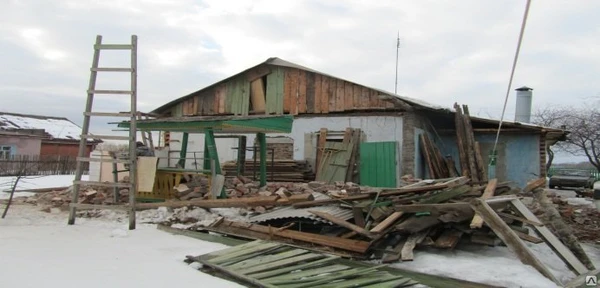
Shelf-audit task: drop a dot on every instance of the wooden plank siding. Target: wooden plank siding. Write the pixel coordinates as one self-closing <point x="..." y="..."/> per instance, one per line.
<point x="286" y="91"/>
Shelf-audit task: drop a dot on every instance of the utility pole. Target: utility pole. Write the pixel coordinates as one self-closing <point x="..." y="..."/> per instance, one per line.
<point x="397" y="49"/>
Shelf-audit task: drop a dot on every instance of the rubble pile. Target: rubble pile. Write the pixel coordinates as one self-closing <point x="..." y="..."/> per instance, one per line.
<point x="583" y="219"/>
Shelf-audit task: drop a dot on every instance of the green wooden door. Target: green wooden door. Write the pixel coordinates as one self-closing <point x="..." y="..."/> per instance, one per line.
<point x="378" y="164"/>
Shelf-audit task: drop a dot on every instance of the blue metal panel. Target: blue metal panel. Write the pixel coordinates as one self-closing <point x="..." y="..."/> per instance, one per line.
<point x="521" y="155"/>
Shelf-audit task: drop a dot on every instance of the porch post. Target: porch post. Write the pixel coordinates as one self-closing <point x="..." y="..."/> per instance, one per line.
<point x="262" y="140"/>
<point x="183" y="152"/>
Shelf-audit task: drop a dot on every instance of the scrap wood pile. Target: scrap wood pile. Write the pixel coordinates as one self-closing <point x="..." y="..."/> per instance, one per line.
<point x="471" y="161"/>
<point x="388" y="224"/>
<point x="278" y="170"/>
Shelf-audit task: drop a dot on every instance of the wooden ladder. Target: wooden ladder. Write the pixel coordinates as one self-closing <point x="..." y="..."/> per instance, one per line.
<point x="85" y="133"/>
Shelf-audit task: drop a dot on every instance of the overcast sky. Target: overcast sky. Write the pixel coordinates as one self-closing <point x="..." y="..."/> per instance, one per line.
<point x="451" y="51"/>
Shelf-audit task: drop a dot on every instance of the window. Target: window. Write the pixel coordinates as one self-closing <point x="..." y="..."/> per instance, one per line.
<point x="5" y="152"/>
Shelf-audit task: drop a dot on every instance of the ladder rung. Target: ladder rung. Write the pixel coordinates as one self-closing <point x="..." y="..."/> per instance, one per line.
<point x="103" y="184"/>
<point x="110" y="92"/>
<point x="109" y="114"/>
<point x="111" y="69"/>
<point x="113" y="46"/>
<point x="105" y="137"/>
<point x="83" y="206"/>
<point x="110" y="160"/>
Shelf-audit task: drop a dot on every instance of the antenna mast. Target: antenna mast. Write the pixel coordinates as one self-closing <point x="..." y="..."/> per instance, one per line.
<point x="397" y="49"/>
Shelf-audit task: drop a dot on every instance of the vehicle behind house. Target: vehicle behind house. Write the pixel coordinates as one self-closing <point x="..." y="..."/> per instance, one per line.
<point x="571" y="178"/>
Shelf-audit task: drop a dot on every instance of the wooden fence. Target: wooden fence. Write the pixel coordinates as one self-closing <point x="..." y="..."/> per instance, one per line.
<point x="39" y="165"/>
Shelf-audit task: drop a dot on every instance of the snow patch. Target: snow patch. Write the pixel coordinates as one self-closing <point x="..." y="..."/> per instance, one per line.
<point x="36" y="182"/>
<point x="581" y="202"/>
<point x="233" y="214"/>
<point x="118" y="233"/>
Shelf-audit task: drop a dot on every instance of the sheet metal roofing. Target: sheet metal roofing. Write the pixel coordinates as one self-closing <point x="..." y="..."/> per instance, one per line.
<point x="291" y="212"/>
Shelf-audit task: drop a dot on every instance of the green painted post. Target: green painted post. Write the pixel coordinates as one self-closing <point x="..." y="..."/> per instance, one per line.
<point x="211" y="147"/>
<point x="206" y="161"/>
<point x="262" y="140"/>
<point x="183" y="152"/>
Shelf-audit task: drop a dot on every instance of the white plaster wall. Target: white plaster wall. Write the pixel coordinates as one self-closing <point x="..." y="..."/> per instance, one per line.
<point x="196" y="147"/>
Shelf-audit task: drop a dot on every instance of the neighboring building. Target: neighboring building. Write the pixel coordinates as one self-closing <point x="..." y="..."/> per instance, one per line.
<point x="12" y="143"/>
<point x="40" y="135"/>
<point x="317" y="100"/>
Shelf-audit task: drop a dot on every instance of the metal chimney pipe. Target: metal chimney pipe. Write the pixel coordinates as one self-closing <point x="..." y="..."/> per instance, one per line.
<point x="523" y="107"/>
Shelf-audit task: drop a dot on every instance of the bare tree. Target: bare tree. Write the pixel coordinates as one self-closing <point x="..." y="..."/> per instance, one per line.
<point x="20" y="171"/>
<point x="583" y="125"/>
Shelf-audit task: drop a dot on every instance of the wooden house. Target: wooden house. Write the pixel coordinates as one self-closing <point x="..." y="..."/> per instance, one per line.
<point x="390" y="124"/>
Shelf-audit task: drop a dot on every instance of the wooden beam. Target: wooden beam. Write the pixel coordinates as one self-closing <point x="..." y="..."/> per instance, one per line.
<point x="411" y="243"/>
<point x="532" y="185"/>
<point x="259" y="72"/>
<point x="480" y="167"/>
<point x="344" y="244"/>
<point x="529" y="238"/>
<point x="341" y="222"/>
<point x="448" y="239"/>
<point x="359" y="218"/>
<point x="218" y="203"/>
<point x="477" y="221"/>
<point x="523" y="220"/>
<point x="510" y="238"/>
<point x="320" y="147"/>
<point x="559" y="248"/>
<point x="389" y="221"/>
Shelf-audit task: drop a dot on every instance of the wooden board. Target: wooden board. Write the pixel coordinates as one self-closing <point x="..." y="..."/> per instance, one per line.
<point x="325" y="94"/>
<point x="559" y="248"/>
<point x="510" y="238"/>
<point x="342" y="223"/>
<point x="389" y="221"/>
<point x="293" y="82"/>
<point x="310" y="92"/>
<point x="356" y="92"/>
<point x="340" y="101"/>
<point x="301" y="92"/>
<point x="477" y="221"/>
<point x="411" y="243"/>
<point x="318" y="93"/>
<point x="448" y="239"/>
<point x="348" y="96"/>
<point x="320" y="146"/>
<point x="257" y="96"/>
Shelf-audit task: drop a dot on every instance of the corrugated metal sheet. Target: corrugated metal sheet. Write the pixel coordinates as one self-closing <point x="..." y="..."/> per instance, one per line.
<point x="378" y="164"/>
<point x="291" y="212"/>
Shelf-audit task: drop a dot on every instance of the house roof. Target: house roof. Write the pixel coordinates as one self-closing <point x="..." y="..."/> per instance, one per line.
<point x="274" y="61"/>
<point x="19" y="134"/>
<point x="54" y="127"/>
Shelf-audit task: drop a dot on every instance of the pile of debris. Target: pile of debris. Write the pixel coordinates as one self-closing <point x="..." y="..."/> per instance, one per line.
<point x="60" y="197"/>
<point x="366" y="223"/>
<point x="278" y="170"/>
<point x="583" y="219"/>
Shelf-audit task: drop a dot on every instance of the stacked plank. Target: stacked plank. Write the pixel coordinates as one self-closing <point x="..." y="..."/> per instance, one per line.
<point x="277" y="170"/>
<point x="469" y="151"/>
<point x="438" y="166"/>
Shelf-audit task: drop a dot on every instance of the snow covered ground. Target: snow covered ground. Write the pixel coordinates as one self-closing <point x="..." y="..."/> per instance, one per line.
<point x="39" y="249"/>
<point x="35" y="182"/>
